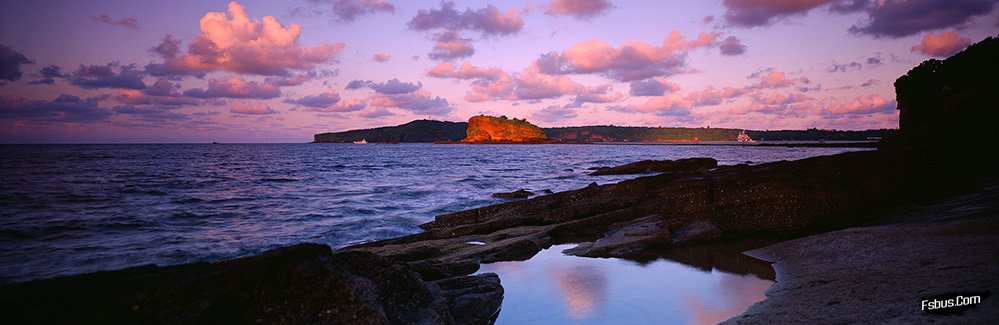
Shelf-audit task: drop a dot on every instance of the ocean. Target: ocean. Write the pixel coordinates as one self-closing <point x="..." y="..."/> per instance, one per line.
<point x="70" y="209"/>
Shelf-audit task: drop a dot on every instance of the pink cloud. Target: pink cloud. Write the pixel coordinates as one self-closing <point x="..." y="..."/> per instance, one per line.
<point x="391" y="87"/>
<point x="775" y="98"/>
<point x="375" y="112"/>
<point x="631" y="61"/>
<point x="252" y="108"/>
<point x="234" y="87"/>
<point x="136" y="97"/>
<point x="328" y="101"/>
<point x="530" y="84"/>
<point x="673" y="104"/>
<point x="350" y="10"/>
<point x="898" y="18"/>
<point x="653" y="87"/>
<point x="943" y="44"/>
<point x="554" y="113"/>
<point x="731" y="46"/>
<point x="488" y="20"/>
<point x="484" y="89"/>
<point x="324" y="99"/>
<point x="381" y="57"/>
<point x="775" y="103"/>
<point x="127" y="22"/>
<point x="581" y="9"/>
<point x="598" y="94"/>
<point x="417" y="102"/>
<point x="346" y="105"/>
<point x="775" y="79"/>
<point x="710" y="96"/>
<point x="111" y="75"/>
<point x="450" y="46"/>
<point x="865" y="104"/>
<point x="294" y="80"/>
<point x="62" y="109"/>
<point x="752" y="13"/>
<point x="464" y="71"/>
<point x="238" y="43"/>
<point x="668" y="105"/>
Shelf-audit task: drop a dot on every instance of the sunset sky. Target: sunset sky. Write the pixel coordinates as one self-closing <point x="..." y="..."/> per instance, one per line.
<point x="279" y="71"/>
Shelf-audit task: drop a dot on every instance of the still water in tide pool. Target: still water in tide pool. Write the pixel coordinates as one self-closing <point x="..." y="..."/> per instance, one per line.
<point x="69" y="209"/>
<point x="553" y="288"/>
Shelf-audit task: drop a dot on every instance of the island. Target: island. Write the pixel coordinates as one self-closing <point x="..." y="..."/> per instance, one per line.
<point x="426" y="131"/>
<point x="867" y="236"/>
<point x="502" y="130"/>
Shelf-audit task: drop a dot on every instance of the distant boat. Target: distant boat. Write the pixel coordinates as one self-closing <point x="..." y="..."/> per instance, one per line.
<point x="362" y="141"/>
<point x="743" y="137"/>
<point x="215" y="142"/>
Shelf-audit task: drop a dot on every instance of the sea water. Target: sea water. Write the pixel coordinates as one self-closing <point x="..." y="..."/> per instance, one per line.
<point x="70" y="209"/>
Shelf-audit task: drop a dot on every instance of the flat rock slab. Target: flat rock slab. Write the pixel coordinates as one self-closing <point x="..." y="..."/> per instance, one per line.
<point x="301" y="284"/>
<point x="881" y="274"/>
<point x="659" y="166"/>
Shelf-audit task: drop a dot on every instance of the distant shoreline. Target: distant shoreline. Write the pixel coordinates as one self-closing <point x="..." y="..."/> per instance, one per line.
<point x="785" y="144"/>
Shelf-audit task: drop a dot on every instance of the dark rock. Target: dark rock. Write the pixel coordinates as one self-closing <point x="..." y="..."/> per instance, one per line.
<point x="796" y="197"/>
<point x="632" y="238"/>
<point x="547" y="191"/>
<point x="518" y="194"/>
<point x="881" y="274"/>
<point x="699" y="230"/>
<point x="948" y="114"/>
<point x="473" y="299"/>
<point x="659" y="166"/>
<point x="946" y="142"/>
<point x="304" y="283"/>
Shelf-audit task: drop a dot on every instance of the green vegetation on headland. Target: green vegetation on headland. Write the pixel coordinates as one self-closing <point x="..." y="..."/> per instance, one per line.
<point x="879" y="231"/>
<point x="443" y="131"/>
<point x="415" y="131"/>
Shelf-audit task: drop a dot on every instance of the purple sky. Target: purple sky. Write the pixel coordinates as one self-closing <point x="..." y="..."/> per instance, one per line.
<point x="269" y="71"/>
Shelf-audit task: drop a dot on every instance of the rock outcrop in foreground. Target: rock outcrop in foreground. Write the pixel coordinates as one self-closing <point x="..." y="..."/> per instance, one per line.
<point x="489" y="129"/>
<point x="301" y="284"/>
<point x="658" y="166"/>
<point x="879" y="271"/>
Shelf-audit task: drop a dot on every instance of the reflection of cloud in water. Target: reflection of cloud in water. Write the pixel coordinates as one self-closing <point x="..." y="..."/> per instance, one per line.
<point x="510" y="268"/>
<point x="584" y="288"/>
<point x="732" y="294"/>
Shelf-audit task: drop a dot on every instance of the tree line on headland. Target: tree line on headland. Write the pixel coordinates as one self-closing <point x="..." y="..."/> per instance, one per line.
<point x="444" y="131"/>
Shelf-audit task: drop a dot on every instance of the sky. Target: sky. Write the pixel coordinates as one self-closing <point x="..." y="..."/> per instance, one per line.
<point x="122" y="71"/>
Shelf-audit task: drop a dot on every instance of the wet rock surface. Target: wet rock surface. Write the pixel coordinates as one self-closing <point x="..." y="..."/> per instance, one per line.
<point x="877" y="273"/>
<point x="305" y="283"/>
<point x="658" y="166"/>
<point x="617" y="220"/>
<point x="518" y="194"/>
<point x="881" y="274"/>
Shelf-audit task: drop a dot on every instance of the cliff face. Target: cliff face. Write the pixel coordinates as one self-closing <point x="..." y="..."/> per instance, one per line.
<point x="489" y="129"/>
<point x="948" y="117"/>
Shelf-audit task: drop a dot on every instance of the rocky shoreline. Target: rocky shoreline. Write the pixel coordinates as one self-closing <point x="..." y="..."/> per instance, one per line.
<point x="875" y="229"/>
<point x="881" y="274"/>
